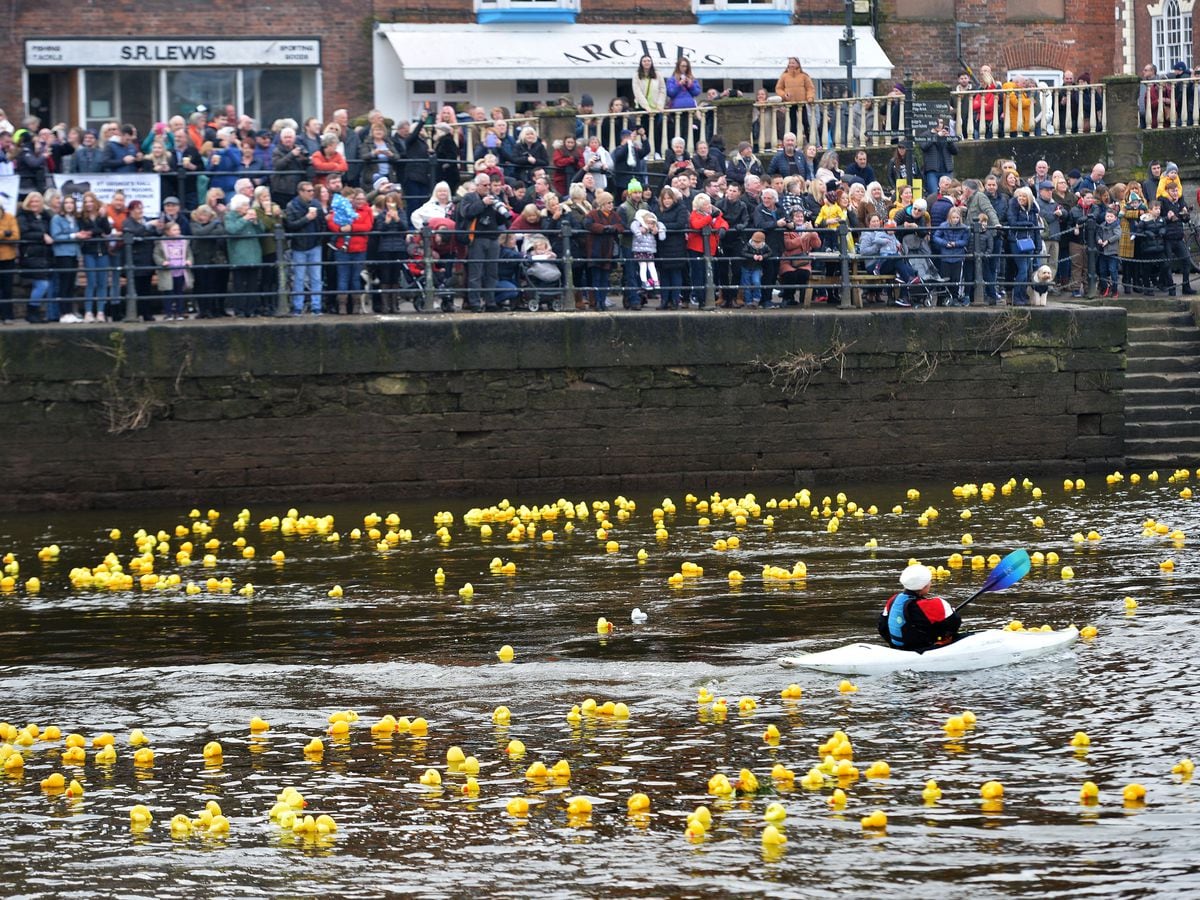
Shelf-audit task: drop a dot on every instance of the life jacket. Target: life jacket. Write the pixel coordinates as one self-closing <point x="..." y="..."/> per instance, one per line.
<point x="897" y="618"/>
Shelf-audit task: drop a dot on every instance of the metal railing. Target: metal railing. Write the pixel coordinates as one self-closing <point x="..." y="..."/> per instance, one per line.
<point x="1028" y="111"/>
<point x="435" y="268"/>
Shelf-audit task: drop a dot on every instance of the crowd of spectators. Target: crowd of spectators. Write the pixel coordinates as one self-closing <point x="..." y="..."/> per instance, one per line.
<point x="357" y="218"/>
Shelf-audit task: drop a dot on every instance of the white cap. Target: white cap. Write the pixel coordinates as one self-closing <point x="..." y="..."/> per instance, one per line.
<point x="916" y="577"/>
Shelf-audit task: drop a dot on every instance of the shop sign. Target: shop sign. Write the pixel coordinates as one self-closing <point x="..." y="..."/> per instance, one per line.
<point x="172" y="53"/>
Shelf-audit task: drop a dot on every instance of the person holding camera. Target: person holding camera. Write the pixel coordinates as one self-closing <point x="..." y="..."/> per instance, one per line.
<point x="290" y="162"/>
<point x="482" y="214"/>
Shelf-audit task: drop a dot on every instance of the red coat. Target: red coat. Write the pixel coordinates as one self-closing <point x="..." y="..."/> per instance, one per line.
<point x="565" y="167"/>
<point x="696" y="222"/>
<point x="356" y="240"/>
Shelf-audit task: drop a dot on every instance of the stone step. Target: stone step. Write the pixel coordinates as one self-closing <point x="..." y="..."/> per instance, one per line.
<point x="1163" y="430"/>
<point x="1156" y="414"/>
<point x="1163" y="453"/>
<point x="1151" y="398"/>
<point x="1161" y="349"/>
<point x="1138" y="333"/>
<point x="1135" y="381"/>
<point x="1185" y="364"/>
<point x="1134" y="303"/>
<point x="1146" y="319"/>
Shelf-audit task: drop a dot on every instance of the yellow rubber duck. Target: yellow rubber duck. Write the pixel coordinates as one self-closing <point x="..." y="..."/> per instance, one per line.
<point x="501" y="715"/>
<point x="1080" y="740"/>
<point x="879" y="769"/>
<point x="515" y="749"/>
<point x="579" y="806"/>
<point x="315" y="747"/>
<point x="431" y="778"/>
<point x="505" y="654"/>
<point x="792" y="692"/>
<point x="143" y="758"/>
<point x="773" y="837"/>
<point x="782" y="774"/>
<point x="105" y="756"/>
<point x="537" y="771"/>
<point x="771" y="735"/>
<point x="932" y="793"/>
<point x="775" y="813"/>
<point x="517" y="807"/>
<point x="1089" y="793"/>
<point x="471" y="787"/>
<point x="847" y="687"/>
<point x="638" y="803"/>
<point x="991" y="790"/>
<point x="140" y="816"/>
<point x="747" y="781"/>
<point x="1184" y="767"/>
<point x="1133" y="793"/>
<point x="876" y="820"/>
<point x="54" y="783"/>
<point x="837" y="800"/>
<point x="561" y="770"/>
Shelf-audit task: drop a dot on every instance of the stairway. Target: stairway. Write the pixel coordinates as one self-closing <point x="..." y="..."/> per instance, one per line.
<point x="1162" y="383"/>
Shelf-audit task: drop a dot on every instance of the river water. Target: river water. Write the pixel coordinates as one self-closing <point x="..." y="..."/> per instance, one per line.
<point x="189" y="669"/>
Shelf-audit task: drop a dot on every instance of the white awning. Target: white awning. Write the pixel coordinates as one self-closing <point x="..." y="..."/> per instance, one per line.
<point x="494" y="52"/>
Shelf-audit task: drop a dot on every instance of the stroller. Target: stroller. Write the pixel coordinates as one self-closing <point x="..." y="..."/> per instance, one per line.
<point x="932" y="287"/>
<point x="444" y="252"/>
<point x="544" y="283"/>
<point x="412" y="278"/>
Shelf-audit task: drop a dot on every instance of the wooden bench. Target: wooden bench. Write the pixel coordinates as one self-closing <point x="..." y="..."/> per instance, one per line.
<point x="858" y="278"/>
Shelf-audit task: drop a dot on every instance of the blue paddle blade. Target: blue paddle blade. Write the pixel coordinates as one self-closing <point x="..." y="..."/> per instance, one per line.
<point x="1008" y="571"/>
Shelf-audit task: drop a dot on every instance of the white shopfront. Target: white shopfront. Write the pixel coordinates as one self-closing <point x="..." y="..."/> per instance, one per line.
<point x="90" y="81"/>
<point x="514" y="65"/>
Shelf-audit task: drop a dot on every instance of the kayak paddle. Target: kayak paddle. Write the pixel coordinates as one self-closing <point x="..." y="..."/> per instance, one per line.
<point x="1008" y="572"/>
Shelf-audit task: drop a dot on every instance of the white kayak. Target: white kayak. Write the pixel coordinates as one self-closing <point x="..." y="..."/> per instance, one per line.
<point x="979" y="650"/>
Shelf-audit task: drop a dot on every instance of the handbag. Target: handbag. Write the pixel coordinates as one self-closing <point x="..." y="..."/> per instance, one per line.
<point x="1025" y="245"/>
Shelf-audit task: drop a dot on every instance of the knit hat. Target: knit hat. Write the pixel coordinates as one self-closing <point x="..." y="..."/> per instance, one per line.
<point x="634" y="187"/>
<point x="1074" y="173"/>
<point x="1170" y="168"/>
<point x="586" y="100"/>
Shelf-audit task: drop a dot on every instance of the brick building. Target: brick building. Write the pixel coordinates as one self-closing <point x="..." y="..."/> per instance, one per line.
<point x="140" y="60"/>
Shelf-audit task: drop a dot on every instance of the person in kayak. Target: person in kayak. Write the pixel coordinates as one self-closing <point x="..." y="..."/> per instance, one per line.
<point x="913" y="620"/>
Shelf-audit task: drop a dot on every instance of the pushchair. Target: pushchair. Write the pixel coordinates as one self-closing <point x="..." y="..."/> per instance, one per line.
<point x="412" y="278"/>
<point x="544" y="284"/>
<point x="932" y="286"/>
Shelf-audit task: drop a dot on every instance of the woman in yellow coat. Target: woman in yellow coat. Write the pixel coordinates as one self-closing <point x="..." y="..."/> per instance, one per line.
<point x="1018" y="107"/>
<point x="10" y="241"/>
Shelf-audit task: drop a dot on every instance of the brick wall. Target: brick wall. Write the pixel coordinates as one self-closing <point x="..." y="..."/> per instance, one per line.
<point x="1086" y="40"/>
<point x="434" y="405"/>
<point x="345" y="32"/>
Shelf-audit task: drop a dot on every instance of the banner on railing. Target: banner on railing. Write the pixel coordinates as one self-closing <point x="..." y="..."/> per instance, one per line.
<point x="147" y="188"/>
<point x="9" y="185"/>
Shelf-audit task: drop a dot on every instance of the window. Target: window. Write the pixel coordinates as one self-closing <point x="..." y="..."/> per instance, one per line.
<point x="1036" y="10"/>
<point x="1171" y="34"/>
<point x="122" y="96"/>
<point x="270" y="94"/>
<point x="455" y="86"/>
<point x="558" y="87"/>
<point x="527" y="86"/>
<point x="488" y="11"/>
<point x="723" y="12"/>
<point x="189" y="88"/>
<point x="424" y="87"/>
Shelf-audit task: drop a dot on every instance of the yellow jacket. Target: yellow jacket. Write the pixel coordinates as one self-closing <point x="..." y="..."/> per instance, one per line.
<point x="1018" y="108"/>
<point x="10" y="235"/>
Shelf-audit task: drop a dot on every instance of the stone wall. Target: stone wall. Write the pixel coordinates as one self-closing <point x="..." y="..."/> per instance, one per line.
<point x="150" y="415"/>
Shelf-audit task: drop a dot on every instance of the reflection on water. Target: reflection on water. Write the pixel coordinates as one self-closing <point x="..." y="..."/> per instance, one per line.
<point x="189" y="669"/>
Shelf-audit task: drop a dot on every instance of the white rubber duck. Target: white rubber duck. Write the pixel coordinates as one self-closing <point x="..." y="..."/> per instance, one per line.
<point x="638" y="617"/>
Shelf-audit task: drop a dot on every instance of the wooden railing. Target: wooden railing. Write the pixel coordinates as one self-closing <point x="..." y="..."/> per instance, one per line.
<point x="1169" y="103"/>
<point x="829" y="124"/>
<point x="692" y="125"/>
<point x="1028" y="111"/>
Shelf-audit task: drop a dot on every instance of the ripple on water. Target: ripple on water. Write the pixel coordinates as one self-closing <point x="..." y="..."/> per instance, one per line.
<point x="193" y="669"/>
